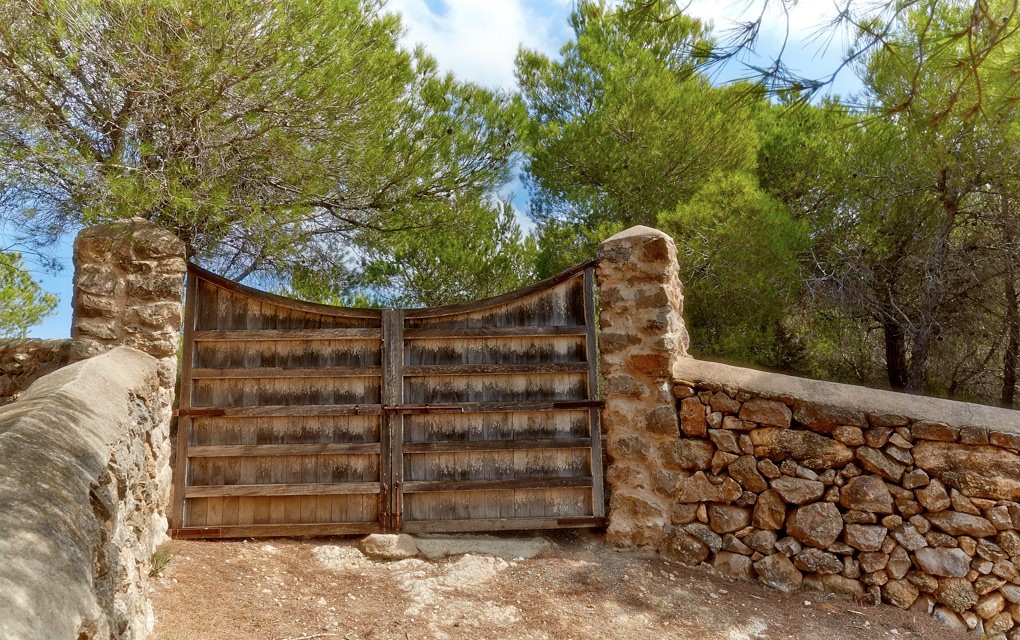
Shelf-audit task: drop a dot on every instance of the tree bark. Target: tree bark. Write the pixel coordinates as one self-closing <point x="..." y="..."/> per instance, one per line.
<point x="1009" y="357"/>
<point x="895" y="354"/>
<point x="934" y="288"/>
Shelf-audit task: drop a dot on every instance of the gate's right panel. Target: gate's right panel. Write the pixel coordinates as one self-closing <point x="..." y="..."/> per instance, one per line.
<point x="500" y="412"/>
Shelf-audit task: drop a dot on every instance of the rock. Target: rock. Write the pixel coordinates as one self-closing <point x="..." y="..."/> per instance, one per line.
<point x="724" y="518"/>
<point x="826" y="418"/>
<point x="724" y="440"/>
<point x="934" y="431"/>
<point x="962" y="503"/>
<point x="899" y="455"/>
<point x="1009" y="541"/>
<point x="899" y="563"/>
<point x="876" y="437"/>
<point x="865" y="537"/>
<point x="689" y="455"/>
<point x="697" y="488"/>
<point x="684" y="513"/>
<point x="961" y="524"/>
<point x="998" y="625"/>
<point x="999" y="517"/>
<point x="769" y="511"/>
<point x="877" y="461"/>
<point x="900" y="593"/>
<point x="947" y="617"/>
<point x="850" y="436"/>
<point x="788" y="546"/>
<point x="762" y="541"/>
<point x="934" y="497"/>
<point x="872" y="561"/>
<point x="943" y="562"/>
<point x="981" y="472"/>
<point x="721" y="402"/>
<point x="663" y="420"/>
<point x="816" y="525"/>
<point x="778" y="572"/>
<point x="692" y="418"/>
<point x="733" y="544"/>
<point x="768" y="413"/>
<point x="720" y="461"/>
<point x="734" y="564"/>
<point x="704" y="533"/>
<point x="680" y="391"/>
<point x="1006" y="571"/>
<point x="684" y="548"/>
<point x="388" y="546"/>
<point x="1005" y="440"/>
<point x="798" y="490"/>
<point x="916" y="478"/>
<point x="986" y="584"/>
<point x="745" y="471"/>
<point x="866" y="493"/>
<point x="990" y="605"/>
<point x="973" y="435"/>
<point x="817" y="561"/>
<point x="767" y="468"/>
<point x="807" y="447"/>
<point x="907" y="535"/>
<point x="990" y="551"/>
<point x="1011" y="592"/>
<point x="837" y="584"/>
<point x="734" y="423"/>
<point x="956" y="593"/>
<point x="854" y="516"/>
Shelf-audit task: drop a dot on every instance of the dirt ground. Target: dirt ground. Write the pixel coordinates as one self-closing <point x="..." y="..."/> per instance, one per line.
<point x="571" y="588"/>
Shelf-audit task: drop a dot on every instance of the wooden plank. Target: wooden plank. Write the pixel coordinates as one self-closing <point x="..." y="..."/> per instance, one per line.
<point x="235" y="450"/>
<point x="493" y="332"/>
<point x="393" y="395"/>
<point x="495" y="485"/>
<point x="594" y="415"/>
<point x="282" y="301"/>
<point x="285" y="411"/>
<point x="501" y="524"/>
<point x="287" y="372"/>
<point x="275" y="531"/>
<point x="180" y="471"/>
<point x="496" y="445"/>
<point x="283" y="489"/>
<point x="422" y="370"/>
<point x="477" y="305"/>
<point x="344" y="333"/>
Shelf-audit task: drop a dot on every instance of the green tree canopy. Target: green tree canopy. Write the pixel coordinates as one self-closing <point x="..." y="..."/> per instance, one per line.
<point x="263" y="134"/>
<point x="22" y="302"/>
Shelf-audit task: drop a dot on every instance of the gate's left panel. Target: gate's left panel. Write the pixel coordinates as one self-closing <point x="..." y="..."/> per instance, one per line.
<point x="280" y="416"/>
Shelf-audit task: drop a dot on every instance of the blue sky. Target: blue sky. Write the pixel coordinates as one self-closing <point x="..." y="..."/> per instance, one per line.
<point x="477" y="41"/>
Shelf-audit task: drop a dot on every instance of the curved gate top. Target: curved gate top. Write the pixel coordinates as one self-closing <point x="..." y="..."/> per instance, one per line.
<point x="307" y="419"/>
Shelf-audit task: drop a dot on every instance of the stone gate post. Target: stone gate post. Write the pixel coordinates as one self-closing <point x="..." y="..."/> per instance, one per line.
<point x="642" y="335"/>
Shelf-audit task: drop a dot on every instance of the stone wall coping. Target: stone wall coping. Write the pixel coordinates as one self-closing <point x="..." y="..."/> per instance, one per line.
<point x="845" y="397"/>
<point x="55" y="443"/>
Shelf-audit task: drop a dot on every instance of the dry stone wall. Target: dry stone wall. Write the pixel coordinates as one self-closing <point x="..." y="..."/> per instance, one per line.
<point x="797" y="483"/>
<point x="23" y="360"/>
<point x="82" y="493"/>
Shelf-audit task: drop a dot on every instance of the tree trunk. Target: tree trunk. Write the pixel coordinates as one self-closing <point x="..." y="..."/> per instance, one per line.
<point x="895" y="354"/>
<point x="1009" y="358"/>
<point x="934" y="288"/>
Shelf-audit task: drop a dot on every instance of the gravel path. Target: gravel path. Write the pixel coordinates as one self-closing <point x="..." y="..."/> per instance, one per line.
<point x="563" y="585"/>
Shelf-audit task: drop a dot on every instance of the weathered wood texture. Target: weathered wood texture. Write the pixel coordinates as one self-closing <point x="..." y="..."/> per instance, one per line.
<point x="326" y="420"/>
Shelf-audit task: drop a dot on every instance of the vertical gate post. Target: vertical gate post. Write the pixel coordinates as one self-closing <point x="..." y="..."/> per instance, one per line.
<point x="392" y="462"/>
<point x="642" y="335"/>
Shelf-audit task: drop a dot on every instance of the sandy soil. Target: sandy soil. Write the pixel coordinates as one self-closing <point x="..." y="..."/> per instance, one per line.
<point x="574" y="588"/>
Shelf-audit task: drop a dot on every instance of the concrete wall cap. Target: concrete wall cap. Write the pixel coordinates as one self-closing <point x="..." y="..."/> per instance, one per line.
<point x="846" y="396"/>
<point x="636" y="232"/>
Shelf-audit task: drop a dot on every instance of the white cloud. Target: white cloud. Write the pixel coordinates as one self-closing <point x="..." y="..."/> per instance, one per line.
<point x="478" y="40"/>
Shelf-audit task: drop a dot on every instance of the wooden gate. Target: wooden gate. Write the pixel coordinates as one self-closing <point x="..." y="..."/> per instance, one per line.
<point x="307" y="419"/>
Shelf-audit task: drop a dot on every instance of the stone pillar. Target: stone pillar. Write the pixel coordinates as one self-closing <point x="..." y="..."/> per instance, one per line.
<point x="642" y="334"/>
<point x="128" y="289"/>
